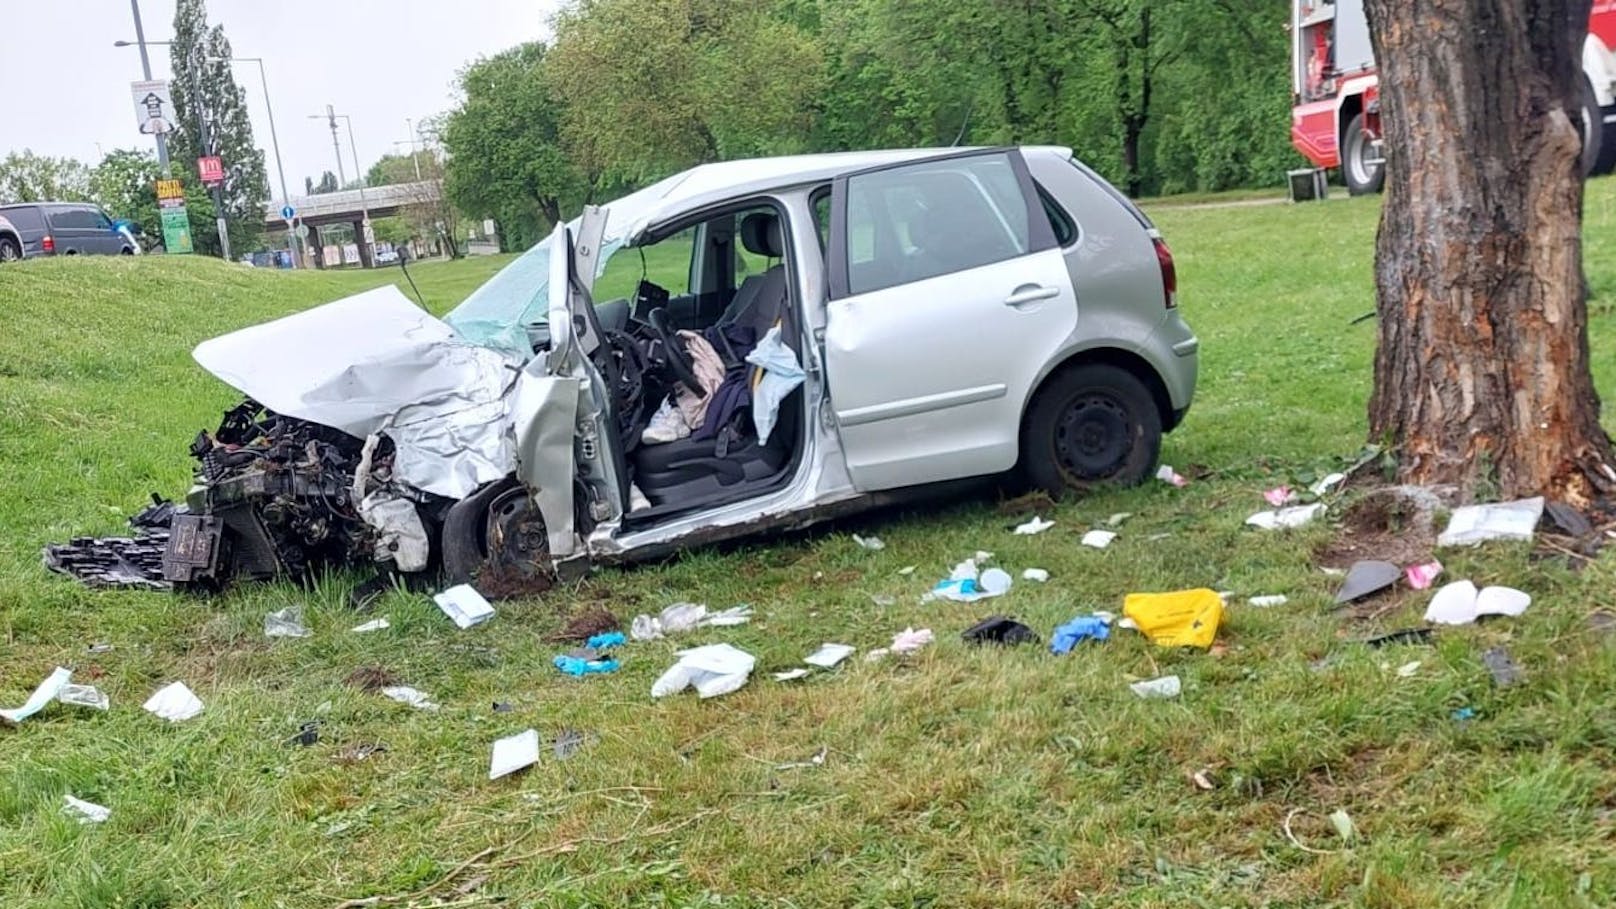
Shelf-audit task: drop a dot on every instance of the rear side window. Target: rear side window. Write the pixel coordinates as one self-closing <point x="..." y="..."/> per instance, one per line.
<point x="27" y="218"/>
<point x="74" y="219"/>
<point x="1063" y="225"/>
<point x="931" y="218"/>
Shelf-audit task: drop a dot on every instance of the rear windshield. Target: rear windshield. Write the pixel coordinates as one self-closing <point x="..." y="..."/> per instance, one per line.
<point x="26" y="218"/>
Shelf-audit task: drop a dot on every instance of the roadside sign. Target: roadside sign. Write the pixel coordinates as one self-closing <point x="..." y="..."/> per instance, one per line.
<point x="302" y="231"/>
<point x="154" y="107"/>
<point x="176" y="223"/>
<point x="288" y="212"/>
<point x="211" y="169"/>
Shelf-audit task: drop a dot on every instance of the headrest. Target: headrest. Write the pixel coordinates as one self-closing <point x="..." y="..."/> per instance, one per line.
<point x="760" y="234"/>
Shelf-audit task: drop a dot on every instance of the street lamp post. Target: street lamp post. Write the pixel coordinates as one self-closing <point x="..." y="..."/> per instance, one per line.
<point x="274" y="140"/>
<point x="368" y="252"/>
<point x="145" y="68"/>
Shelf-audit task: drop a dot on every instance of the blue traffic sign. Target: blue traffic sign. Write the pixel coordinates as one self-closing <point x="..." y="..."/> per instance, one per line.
<point x="288" y="212"/>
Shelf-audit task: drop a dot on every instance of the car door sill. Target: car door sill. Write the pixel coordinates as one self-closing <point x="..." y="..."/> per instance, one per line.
<point x="908" y="407"/>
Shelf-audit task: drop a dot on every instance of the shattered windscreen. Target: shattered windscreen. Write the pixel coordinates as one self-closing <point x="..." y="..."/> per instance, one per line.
<point x="498" y="313"/>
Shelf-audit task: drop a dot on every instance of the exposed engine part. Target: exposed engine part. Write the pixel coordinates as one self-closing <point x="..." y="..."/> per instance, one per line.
<point x="273" y="497"/>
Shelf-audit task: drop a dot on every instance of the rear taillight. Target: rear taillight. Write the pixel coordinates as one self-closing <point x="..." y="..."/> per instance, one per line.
<point x="48" y="244"/>
<point x="1169" y="275"/>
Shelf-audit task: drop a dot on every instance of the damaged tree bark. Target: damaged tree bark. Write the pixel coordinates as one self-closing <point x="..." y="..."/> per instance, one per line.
<point x="1481" y="372"/>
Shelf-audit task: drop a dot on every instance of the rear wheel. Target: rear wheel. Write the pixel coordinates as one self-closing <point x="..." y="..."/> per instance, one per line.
<point x="9" y="250"/>
<point x="1090" y="425"/>
<point x="1363" y="166"/>
<point x="1598" y="154"/>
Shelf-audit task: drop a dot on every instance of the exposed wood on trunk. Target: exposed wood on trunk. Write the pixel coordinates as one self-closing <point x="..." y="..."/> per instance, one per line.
<point x="1481" y="373"/>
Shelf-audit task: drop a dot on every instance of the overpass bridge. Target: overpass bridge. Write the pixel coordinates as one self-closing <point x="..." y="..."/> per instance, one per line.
<point x="350" y="206"/>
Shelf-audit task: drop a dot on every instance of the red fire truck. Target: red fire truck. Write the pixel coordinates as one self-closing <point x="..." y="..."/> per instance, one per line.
<point x="1335" y="106"/>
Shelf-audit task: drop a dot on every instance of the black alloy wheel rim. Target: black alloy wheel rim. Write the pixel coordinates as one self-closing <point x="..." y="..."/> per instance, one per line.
<point x="1092" y="437"/>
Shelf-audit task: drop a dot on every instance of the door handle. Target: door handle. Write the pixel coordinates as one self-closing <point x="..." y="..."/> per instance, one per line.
<point x="1030" y="293"/>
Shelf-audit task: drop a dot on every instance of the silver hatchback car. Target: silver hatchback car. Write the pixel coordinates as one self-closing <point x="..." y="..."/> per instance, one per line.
<point x="789" y="339"/>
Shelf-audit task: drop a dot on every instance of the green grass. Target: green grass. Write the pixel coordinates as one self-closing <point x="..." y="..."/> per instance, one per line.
<point x="962" y="777"/>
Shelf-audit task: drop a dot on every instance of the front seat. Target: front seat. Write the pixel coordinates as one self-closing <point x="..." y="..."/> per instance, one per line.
<point x="761" y="299"/>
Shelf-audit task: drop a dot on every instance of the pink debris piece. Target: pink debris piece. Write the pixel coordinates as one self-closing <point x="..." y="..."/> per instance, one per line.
<point x="1278" y="496"/>
<point x="1421" y="576"/>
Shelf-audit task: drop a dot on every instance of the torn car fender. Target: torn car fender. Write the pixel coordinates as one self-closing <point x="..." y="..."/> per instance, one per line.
<point x="544" y="413"/>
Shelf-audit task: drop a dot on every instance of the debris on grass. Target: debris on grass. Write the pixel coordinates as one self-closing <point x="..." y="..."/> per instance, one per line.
<point x="584" y="661"/>
<point x="84" y="812"/>
<point x="464" y="606"/>
<point x="1080" y="629"/>
<point x="873" y="544"/>
<point x="907" y="570"/>
<point x="85" y="696"/>
<point x="790" y="675"/>
<point x="680" y="617"/>
<point x="828" y="655"/>
<point x="1268" y="601"/>
<point x="1365" y="579"/>
<point x="1031" y="503"/>
<point x="285" y="623"/>
<point x="1167" y="474"/>
<point x="1168" y="686"/>
<point x="98" y="648"/>
<point x="1291" y="816"/>
<point x="1203" y="780"/>
<point x="1032" y="526"/>
<point x="817" y="760"/>
<point x="1038" y="575"/>
<point x="910" y="640"/>
<point x="1473" y="524"/>
<point x="1408" y="670"/>
<point x="1505" y="671"/>
<point x="1327" y="483"/>
<point x="513" y="753"/>
<point x="569" y="742"/>
<point x="174" y="703"/>
<point x="1464" y="714"/>
<point x="1460" y="603"/>
<point x="1286" y="518"/>
<point x="1117" y="519"/>
<point x="1570" y="521"/>
<point x="1342" y="822"/>
<point x="359" y="751"/>
<point x="883" y="599"/>
<point x="1279" y="496"/>
<point x="1421" y="576"/>
<point x="414" y="697"/>
<point x="502" y="707"/>
<point x="999" y="629"/>
<point x="1098" y="539"/>
<point x="966" y="585"/>
<point x="713" y="670"/>
<point x="46" y="692"/>
<point x="1184" y="618"/>
<point x="307" y="734"/>
<point x="380" y="624"/>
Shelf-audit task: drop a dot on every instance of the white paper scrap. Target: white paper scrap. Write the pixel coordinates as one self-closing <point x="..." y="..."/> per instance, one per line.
<point x="1039" y="575"/>
<point x="44" y="694"/>
<point x="1167" y="686"/>
<point x="1264" y="602"/>
<point x="1098" y="539"/>
<point x="174" y="703"/>
<point x="790" y="674"/>
<point x="85" y="812"/>
<point x="1036" y="525"/>
<point x="513" y="753"/>
<point x="85" y="696"/>
<point x="285" y="623"/>
<point x="1474" y="524"/>
<point x="414" y="697"/>
<point x="463" y="604"/>
<point x="828" y="655"/>
<point x="1286" y="518"/>
<point x="373" y="625"/>
<point x="873" y="544"/>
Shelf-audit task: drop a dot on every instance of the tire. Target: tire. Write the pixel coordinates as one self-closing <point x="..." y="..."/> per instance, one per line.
<point x="464" y="540"/>
<point x="1361" y="177"/>
<point x="10" y="250"/>
<point x="1598" y="148"/>
<point x="1090" y="425"/>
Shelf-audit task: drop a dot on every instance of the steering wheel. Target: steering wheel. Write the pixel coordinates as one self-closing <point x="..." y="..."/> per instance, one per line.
<point x="679" y="361"/>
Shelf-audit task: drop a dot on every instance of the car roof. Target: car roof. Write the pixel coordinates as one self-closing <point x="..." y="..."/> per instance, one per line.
<point x="720" y="181"/>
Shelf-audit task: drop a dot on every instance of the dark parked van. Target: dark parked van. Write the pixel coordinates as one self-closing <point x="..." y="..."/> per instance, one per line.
<point x="66" y="229"/>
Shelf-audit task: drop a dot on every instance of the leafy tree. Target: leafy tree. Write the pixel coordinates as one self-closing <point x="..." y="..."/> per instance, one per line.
<point x="505" y="148"/>
<point x="27" y="177"/>
<point x="327" y="184"/>
<point x="125" y="184"/>
<point x="392" y="169"/>
<point x="651" y="86"/>
<point x="211" y="117"/>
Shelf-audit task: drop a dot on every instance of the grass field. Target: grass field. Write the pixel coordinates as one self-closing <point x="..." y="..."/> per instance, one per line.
<point x="961" y="777"/>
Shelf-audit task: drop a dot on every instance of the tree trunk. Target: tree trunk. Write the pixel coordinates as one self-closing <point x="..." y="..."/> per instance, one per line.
<point x="1481" y="372"/>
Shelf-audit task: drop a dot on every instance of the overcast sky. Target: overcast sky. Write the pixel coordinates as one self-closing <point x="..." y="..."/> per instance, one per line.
<point x="67" y="88"/>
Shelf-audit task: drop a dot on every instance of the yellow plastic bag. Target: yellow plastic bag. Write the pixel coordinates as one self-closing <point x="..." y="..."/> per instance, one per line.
<point x="1184" y="618"/>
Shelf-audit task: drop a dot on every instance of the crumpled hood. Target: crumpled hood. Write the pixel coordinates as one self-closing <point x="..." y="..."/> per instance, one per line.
<point x="375" y="362"/>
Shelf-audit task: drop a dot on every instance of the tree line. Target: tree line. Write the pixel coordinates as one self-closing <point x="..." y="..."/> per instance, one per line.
<point x="1161" y="96"/>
